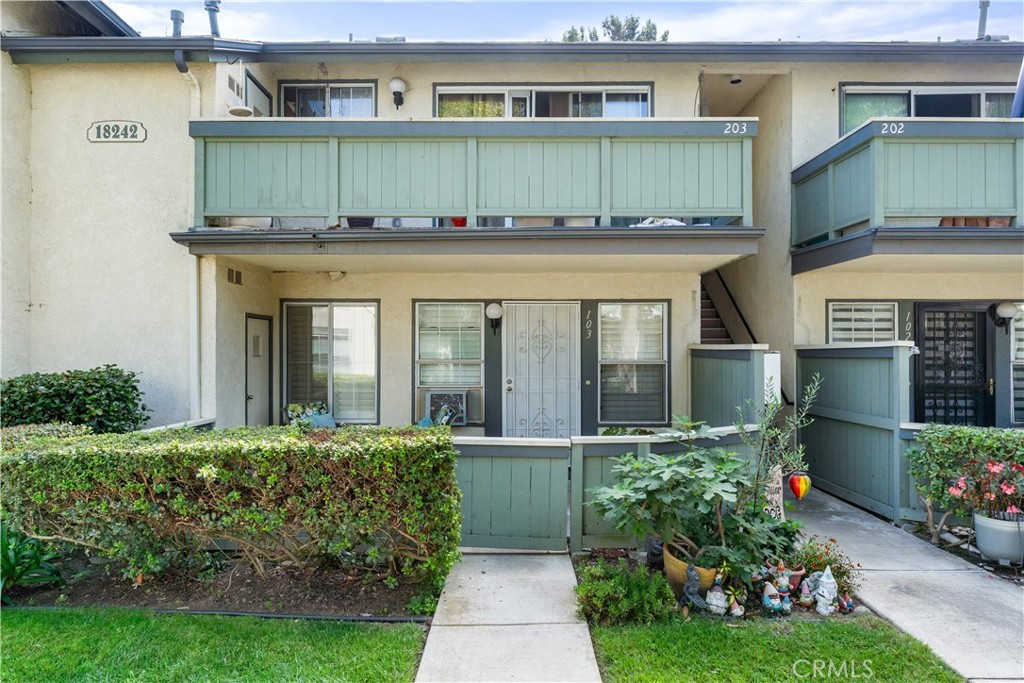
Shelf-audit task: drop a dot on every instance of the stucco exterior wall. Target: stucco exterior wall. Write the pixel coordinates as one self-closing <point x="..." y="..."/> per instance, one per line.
<point x="815" y="289"/>
<point x="108" y="285"/>
<point x="761" y="284"/>
<point x="397" y="292"/>
<point x="816" y="93"/>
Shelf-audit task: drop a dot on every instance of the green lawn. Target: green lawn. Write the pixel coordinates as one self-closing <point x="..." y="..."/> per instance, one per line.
<point x="129" y="645"/>
<point x="768" y="651"/>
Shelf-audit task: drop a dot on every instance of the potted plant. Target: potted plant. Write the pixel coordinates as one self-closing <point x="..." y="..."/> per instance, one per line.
<point x="994" y="490"/>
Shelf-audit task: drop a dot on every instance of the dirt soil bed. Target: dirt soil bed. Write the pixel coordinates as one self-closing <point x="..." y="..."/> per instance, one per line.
<point x="322" y="591"/>
<point x="1013" y="574"/>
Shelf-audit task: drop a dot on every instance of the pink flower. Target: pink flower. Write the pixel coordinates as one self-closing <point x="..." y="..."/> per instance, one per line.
<point x="961" y="483"/>
<point x="994" y="468"/>
<point x="955" y="492"/>
<point x="989" y="496"/>
<point x="1013" y="510"/>
<point x="1008" y="489"/>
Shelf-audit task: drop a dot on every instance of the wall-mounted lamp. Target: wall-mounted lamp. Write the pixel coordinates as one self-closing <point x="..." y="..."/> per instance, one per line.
<point x="494" y="313"/>
<point x="1004" y="313"/>
<point x="397" y="86"/>
<point x="240" y="110"/>
<point x="735" y="79"/>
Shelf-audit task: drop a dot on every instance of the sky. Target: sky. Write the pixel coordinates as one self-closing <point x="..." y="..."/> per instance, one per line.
<point x="496" y="20"/>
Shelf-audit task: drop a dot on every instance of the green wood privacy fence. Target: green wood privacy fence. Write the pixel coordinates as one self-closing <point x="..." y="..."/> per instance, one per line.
<point x="857" y="443"/>
<point x="531" y="493"/>
<point x="724" y="378"/>
<point x="586" y="168"/>
<point x="892" y="172"/>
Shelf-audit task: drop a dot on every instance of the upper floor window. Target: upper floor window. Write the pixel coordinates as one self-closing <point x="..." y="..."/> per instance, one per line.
<point x="862" y="102"/>
<point x="342" y="100"/>
<point x="548" y="102"/>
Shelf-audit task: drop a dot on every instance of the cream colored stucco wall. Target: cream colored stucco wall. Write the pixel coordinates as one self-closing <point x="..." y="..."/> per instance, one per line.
<point x="36" y="18"/>
<point x="761" y="284"/>
<point x="816" y="92"/>
<point x="397" y="292"/>
<point x="108" y="284"/>
<point x="674" y="84"/>
<point x="814" y="289"/>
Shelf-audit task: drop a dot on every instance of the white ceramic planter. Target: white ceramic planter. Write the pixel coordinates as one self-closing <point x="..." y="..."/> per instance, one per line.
<point x="1000" y="539"/>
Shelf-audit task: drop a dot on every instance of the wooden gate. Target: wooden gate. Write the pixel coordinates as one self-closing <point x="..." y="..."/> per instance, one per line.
<point x="514" y="492"/>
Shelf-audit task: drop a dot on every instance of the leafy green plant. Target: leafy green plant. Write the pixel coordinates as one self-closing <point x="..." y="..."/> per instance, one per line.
<point x="952" y="471"/>
<point x="158" y="500"/>
<point x="815" y="555"/>
<point x="24" y="562"/>
<point x="19" y="437"/>
<point x="609" y="595"/>
<point x="423" y="603"/>
<point x="107" y="399"/>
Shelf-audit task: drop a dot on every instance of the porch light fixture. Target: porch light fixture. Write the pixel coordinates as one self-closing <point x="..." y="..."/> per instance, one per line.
<point x="494" y="313"/>
<point x="1004" y="313"/>
<point x="240" y="110"/>
<point x="397" y="86"/>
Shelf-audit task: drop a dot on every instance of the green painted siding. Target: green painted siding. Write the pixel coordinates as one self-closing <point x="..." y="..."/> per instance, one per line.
<point x="722" y="381"/>
<point x="396" y="177"/>
<point x="876" y="179"/>
<point x="677" y="177"/>
<point x="284" y="177"/>
<point x="542" y="177"/>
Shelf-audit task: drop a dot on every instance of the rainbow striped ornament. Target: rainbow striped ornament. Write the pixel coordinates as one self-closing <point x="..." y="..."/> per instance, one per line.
<point x="799" y="484"/>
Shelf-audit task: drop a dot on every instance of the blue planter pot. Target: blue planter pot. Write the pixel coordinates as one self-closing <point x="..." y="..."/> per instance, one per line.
<point x="1000" y="539"/>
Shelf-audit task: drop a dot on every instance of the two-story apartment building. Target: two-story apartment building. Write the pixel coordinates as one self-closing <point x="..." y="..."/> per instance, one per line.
<point x="387" y="226"/>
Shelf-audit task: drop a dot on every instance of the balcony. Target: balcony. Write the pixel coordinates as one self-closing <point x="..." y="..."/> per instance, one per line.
<point x="900" y="187"/>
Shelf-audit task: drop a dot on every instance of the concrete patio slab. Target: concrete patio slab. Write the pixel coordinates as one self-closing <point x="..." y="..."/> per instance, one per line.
<point x="970" y="618"/>
<point x="509" y="618"/>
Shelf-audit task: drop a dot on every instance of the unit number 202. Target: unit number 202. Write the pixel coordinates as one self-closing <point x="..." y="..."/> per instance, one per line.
<point x="892" y="128"/>
<point x="736" y="128"/>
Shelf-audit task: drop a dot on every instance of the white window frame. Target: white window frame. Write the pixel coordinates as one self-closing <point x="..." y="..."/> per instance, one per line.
<point x="913" y="90"/>
<point x="331" y="305"/>
<point x="601" y="361"/>
<point x="894" y="305"/>
<point x="530" y="91"/>
<point x="326" y="87"/>
<point x="1016" y="337"/>
<point x="422" y="389"/>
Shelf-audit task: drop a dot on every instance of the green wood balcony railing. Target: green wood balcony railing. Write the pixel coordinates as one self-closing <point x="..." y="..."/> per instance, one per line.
<point x="446" y="168"/>
<point x="911" y="172"/>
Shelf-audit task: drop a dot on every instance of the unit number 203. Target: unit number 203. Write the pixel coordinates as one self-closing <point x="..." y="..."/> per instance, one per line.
<point x="735" y="128"/>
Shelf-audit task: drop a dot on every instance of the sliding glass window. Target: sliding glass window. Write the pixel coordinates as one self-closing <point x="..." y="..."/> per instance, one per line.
<point x="331" y="355"/>
<point x="336" y="100"/>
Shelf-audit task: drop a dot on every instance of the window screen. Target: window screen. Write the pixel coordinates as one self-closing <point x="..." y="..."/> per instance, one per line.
<point x="862" y="321"/>
<point x="1017" y="370"/>
<point x="633" y="365"/>
<point x="450" y="344"/>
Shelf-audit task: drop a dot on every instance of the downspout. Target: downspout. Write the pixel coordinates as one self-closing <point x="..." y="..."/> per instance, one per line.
<point x="194" y="347"/>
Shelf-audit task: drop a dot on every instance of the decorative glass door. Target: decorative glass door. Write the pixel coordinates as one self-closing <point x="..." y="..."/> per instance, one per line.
<point x="541" y="380"/>
<point x="953" y="382"/>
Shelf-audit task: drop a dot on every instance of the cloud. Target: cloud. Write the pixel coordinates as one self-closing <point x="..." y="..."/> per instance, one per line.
<point x="237" y="20"/>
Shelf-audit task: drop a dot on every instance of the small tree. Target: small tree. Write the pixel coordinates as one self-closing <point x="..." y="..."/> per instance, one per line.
<point x="626" y="30"/>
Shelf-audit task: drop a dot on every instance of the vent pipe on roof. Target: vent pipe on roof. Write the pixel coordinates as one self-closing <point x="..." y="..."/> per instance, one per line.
<point x="212" y="8"/>
<point x="177" y="18"/>
<point x="982" y="17"/>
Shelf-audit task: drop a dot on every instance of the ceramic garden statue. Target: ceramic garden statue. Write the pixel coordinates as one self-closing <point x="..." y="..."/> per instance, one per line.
<point x="806" y="592"/>
<point x="826" y="593"/>
<point x="717" y="602"/>
<point x="782" y="578"/>
<point x="691" y="591"/>
<point x="771" y="604"/>
<point x="736" y="597"/>
<point x="845" y="603"/>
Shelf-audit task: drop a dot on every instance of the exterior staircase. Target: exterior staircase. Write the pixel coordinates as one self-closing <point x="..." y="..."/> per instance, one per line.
<point x="712" y="329"/>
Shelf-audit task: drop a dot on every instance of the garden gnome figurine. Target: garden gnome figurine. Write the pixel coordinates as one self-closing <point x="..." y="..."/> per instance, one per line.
<point x="845" y="603"/>
<point x="826" y="593"/>
<point x="691" y="591"/>
<point x="717" y="602"/>
<point x="806" y="598"/>
<point x="771" y="605"/>
<point x="735" y="604"/>
<point x="781" y="577"/>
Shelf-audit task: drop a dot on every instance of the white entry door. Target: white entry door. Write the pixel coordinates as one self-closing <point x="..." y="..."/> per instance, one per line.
<point x="542" y="392"/>
<point x="257" y="371"/>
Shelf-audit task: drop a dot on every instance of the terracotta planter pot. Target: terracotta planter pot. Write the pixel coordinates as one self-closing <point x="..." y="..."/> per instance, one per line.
<point x="675" y="572"/>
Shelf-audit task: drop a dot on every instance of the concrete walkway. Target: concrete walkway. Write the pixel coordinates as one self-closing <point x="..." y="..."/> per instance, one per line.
<point x="509" y="618"/>
<point x="970" y="618"/>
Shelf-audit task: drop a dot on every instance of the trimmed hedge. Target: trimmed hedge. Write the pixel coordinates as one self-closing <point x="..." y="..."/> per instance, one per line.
<point x="107" y="399"/>
<point x="158" y="500"/>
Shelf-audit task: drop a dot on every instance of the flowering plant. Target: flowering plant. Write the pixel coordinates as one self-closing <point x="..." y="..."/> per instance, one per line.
<point x="994" y="487"/>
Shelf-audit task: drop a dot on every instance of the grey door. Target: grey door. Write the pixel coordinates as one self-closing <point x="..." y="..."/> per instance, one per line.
<point x="257" y="370"/>
<point x="541" y="378"/>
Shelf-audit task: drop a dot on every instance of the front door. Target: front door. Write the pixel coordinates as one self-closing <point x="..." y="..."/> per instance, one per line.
<point x="954" y="385"/>
<point x="541" y="380"/>
<point x="257" y="370"/>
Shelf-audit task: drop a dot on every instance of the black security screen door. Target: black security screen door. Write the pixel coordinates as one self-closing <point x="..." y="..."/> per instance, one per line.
<point x="952" y="370"/>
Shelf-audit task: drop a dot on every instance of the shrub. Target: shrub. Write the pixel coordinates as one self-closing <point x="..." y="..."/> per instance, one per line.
<point x="17" y="438"/>
<point x="610" y="595"/>
<point x="24" y="562"/>
<point x="815" y="555"/>
<point x="949" y="457"/>
<point x="157" y="500"/>
<point x="107" y="399"/>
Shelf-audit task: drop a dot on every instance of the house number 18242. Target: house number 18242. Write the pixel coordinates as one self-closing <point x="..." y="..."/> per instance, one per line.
<point x="117" y="131"/>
